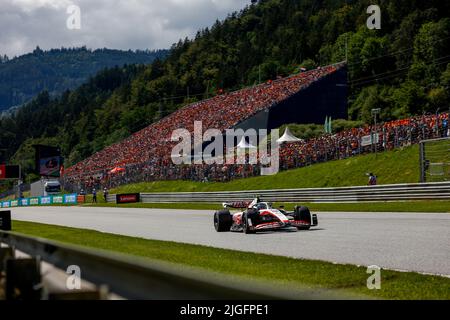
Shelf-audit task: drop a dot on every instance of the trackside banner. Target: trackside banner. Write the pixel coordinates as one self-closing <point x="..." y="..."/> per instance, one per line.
<point x="41" y="201"/>
<point x="128" y="198"/>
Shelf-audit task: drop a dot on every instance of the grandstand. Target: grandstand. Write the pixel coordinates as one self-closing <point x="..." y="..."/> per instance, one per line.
<point x="347" y="143"/>
<point x="303" y="98"/>
<point x="145" y="155"/>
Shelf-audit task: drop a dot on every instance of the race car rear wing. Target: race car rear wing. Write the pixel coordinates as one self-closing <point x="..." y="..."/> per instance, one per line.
<point x="236" y="204"/>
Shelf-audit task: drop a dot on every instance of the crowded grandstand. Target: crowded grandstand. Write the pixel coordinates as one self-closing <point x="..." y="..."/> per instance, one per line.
<point x="146" y="155"/>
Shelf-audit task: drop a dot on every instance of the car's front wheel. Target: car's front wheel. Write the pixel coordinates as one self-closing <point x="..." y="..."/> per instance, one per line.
<point x="302" y="213"/>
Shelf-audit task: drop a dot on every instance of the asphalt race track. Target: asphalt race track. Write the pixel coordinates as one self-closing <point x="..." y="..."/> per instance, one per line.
<point x="404" y="241"/>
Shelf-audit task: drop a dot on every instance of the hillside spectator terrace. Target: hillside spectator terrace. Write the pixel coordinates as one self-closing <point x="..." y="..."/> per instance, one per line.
<point x="153" y="144"/>
<point x="145" y="156"/>
<point x="344" y="144"/>
<point x="347" y="143"/>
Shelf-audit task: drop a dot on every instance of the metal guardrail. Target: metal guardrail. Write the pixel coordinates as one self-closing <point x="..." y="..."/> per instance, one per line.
<point x="392" y="192"/>
<point x="137" y="278"/>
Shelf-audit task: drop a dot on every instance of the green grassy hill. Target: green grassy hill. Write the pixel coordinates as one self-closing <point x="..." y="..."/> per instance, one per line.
<point x="397" y="166"/>
<point x="58" y="70"/>
<point x="402" y="68"/>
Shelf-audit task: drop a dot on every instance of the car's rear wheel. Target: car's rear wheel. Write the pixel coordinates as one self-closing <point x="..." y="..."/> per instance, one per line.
<point x="302" y="213"/>
<point x="222" y="220"/>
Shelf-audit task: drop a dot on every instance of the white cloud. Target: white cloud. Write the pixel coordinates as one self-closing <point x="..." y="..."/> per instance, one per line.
<point x="30" y="5"/>
<point x="120" y="24"/>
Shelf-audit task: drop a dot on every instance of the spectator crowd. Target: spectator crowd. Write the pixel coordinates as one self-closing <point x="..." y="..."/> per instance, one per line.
<point x="347" y="143"/>
<point x="146" y="155"/>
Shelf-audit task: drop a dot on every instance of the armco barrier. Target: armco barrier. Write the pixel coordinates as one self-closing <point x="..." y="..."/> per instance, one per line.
<point x="392" y="192"/>
<point x="44" y="201"/>
<point x="138" y="278"/>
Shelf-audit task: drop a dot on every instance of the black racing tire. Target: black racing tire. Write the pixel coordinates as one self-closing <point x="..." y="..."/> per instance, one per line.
<point x="222" y="220"/>
<point x="252" y="214"/>
<point x="302" y="213"/>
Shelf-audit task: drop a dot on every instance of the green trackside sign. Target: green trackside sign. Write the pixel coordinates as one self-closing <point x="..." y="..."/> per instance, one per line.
<point x="58" y="199"/>
<point x="40" y="201"/>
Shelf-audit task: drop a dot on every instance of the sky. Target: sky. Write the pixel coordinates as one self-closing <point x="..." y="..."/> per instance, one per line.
<point x="114" y="24"/>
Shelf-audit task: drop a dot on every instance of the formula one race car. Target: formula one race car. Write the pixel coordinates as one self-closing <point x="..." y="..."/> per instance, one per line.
<point x="259" y="216"/>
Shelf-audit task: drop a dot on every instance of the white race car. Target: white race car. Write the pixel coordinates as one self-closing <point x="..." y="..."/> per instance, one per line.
<point x="260" y="216"/>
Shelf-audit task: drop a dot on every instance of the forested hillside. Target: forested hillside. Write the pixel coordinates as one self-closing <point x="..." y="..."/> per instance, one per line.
<point x="57" y="70"/>
<point x="403" y="68"/>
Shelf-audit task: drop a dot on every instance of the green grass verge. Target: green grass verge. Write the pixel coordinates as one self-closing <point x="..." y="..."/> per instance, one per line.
<point x="276" y="269"/>
<point x="410" y="206"/>
<point x="397" y="166"/>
